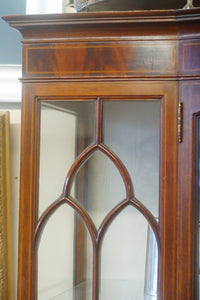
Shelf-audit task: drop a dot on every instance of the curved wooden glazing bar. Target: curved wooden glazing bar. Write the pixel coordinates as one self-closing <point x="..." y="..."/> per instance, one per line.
<point x="118" y="208"/>
<point x="104" y="149"/>
<point x="85" y="155"/>
<point x="96" y="235"/>
<point x="52" y="209"/>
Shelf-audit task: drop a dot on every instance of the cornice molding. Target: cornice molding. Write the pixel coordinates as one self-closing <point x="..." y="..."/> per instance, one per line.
<point x="139" y="16"/>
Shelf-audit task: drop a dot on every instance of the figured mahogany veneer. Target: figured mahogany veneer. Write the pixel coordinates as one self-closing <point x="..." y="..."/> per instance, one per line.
<point x="141" y="55"/>
<point x="101" y="59"/>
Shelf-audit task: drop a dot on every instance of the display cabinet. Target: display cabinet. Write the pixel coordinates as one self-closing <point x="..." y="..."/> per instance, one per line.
<point x="110" y="156"/>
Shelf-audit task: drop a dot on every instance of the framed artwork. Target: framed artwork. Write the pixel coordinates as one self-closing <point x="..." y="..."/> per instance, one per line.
<point x="6" y="272"/>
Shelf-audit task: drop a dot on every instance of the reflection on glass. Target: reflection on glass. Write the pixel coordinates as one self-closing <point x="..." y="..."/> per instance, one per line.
<point x="131" y="130"/>
<point x="65" y="131"/>
<point x="151" y="268"/>
<point x="59" y="254"/>
<point x="123" y="257"/>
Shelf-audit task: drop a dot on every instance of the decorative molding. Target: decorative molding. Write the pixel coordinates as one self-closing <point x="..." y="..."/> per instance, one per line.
<point x="109" y="17"/>
<point x="10" y="86"/>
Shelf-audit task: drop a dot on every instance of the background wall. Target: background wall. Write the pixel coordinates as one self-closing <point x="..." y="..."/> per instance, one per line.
<point x="10" y="97"/>
<point x="10" y="46"/>
<point x="43" y="6"/>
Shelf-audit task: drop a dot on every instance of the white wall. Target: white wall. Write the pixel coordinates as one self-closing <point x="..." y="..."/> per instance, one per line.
<point x="43" y="6"/>
<point x="10" y="86"/>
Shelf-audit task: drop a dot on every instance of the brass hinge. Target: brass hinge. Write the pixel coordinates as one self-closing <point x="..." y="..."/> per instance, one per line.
<point x="180" y="122"/>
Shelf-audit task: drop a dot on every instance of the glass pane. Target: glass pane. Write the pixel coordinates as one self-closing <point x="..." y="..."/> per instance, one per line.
<point x="65" y="131"/>
<point x="64" y="259"/>
<point x="129" y="259"/>
<point x="131" y="130"/>
<point x="98" y="186"/>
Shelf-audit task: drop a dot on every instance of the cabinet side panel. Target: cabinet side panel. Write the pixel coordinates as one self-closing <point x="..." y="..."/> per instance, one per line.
<point x="189" y="96"/>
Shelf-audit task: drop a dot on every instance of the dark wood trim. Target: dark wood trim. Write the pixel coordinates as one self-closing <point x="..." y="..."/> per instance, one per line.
<point x="80" y="191"/>
<point x="196" y="197"/>
<point x="173" y="78"/>
<point x="28" y="191"/>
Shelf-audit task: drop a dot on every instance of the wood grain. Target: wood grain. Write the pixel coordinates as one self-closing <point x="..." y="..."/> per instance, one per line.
<point x="105" y="59"/>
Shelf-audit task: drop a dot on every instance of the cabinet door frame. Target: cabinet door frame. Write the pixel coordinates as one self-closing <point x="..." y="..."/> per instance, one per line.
<point x="167" y="93"/>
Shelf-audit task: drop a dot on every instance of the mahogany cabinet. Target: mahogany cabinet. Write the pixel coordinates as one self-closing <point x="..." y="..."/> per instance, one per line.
<point x="110" y="155"/>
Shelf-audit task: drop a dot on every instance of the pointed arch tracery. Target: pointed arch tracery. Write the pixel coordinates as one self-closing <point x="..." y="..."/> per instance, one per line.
<point x="119" y="208"/>
<point x="52" y="209"/>
<point x="66" y="198"/>
<point x="85" y="155"/>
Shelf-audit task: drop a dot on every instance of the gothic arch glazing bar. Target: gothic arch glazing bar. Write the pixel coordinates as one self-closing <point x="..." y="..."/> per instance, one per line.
<point x="118" y="208"/>
<point x="104" y="149"/>
<point x="52" y="209"/>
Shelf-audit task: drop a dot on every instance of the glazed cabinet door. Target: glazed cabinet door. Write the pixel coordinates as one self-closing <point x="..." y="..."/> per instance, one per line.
<point x="98" y="191"/>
